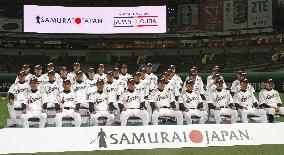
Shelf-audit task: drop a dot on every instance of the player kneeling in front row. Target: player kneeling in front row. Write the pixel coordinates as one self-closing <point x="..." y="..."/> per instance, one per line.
<point x="69" y="107"/>
<point x="220" y="102"/>
<point x="269" y="99"/>
<point x="191" y="104"/>
<point x="33" y="108"/>
<point x="246" y="103"/>
<point x="132" y="103"/>
<point x="163" y="104"/>
<point x="101" y="105"/>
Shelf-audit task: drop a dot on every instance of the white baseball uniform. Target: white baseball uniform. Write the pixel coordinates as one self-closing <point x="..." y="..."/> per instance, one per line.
<point x="193" y="102"/>
<point x="163" y="104"/>
<point x="124" y="78"/>
<point x="80" y="90"/>
<point x="71" y="76"/>
<point x="235" y="87"/>
<point x="67" y="101"/>
<point x="132" y="101"/>
<point x="103" y="104"/>
<point x="28" y="77"/>
<point x="152" y="78"/>
<point x="34" y="107"/>
<point x="246" y="103"/>
<point x="98" y="77"/>
<point x="272" y="99"/>
<point x="18" y="92"/>
<point x="46" y="78"/>
<point x="50" y="90"/>
<point x="222" y="99"/>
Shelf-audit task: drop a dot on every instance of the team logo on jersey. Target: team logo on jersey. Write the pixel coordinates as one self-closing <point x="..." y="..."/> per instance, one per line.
<point x="271" y="96"/>
<point x="190" y="99"/>
<point x="131" y="98"/>
<point x="219" y="98"/>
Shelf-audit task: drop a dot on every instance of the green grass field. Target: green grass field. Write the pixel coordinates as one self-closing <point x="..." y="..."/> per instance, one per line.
<point x="233" y="150"/>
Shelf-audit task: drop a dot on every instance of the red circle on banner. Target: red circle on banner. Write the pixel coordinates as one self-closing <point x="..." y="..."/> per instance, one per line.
<point x="196" y="136"/>
<point x="78" y="20"/>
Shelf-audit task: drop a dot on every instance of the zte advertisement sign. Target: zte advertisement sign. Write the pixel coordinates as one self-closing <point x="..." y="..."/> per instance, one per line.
<point x="94" y="20"/>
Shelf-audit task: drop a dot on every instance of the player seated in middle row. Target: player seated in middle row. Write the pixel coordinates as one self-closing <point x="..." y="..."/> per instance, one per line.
<point x="246" y="103"/>
<point x="162" y="103"/>
<point x="191" y="104"/>
<point x="220" y="102"/>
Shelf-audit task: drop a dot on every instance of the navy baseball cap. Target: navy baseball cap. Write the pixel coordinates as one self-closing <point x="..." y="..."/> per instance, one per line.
<point x="244" y="81"/>
<point x="101" y="81"/>
<point x="51" y="72"/>
<point x="219" y="80"/>
<point x="34" y="80"/>
<point x="38" y="67"/>
<point x="66" y="81"/>
<point x="269" y="80"/>
<point x="21" y="73"/>
<point x="76" y="64"/>
<point x="216" y="68"/>
<point x="50" y="64"/>
<point x="79" y="73"/>
<point x="189" y="82"/>
<point x="110" y="73"/>
<point x="101" y="66"/>
<point x="132" y="81"/>
<point x="26" y="66"/>
<point x="124" y="66"/>
<point x="63" y="68"/>
<point x="161" y="80"/>
<point x="116" y="69"/>
<point x="149" y="65"/>
<point x="91" y="70"/>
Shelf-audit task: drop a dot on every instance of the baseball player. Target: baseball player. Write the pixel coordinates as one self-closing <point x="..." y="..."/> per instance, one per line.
<point x="198" y="84"/>
<point x="194" y="69"/>
<point x="17" y="96"/>
<point x="163" y="103"/>
<point x="28" y="76"/>
<point x="170" y="85"/>
<point x="124" y="75"/>
<point x="191" y="104"/>
<point x="152" y="78"/>
<point x="220" y="102"/>
<point x="33" y="107"/>
<point x="50" y="66"/>
<point x="101" y="105"/>
<point x="68" y="105"/>
<point x="235" y="87"/>
<point x="38" y="74"/>
<point x="131" y="103"/>
<point x="139" y="86"/>
<point x="91" y="82"/>
<point x="210" y="78"/>
<point x="63" y="76"/>
<point x="50" y="90"/>
<point x="212" y="86"/>
<point x="175" y="76"/>
<point x="145" y="81"/>
<point x="100" y="75"/>
<point x="247" y="104"/>
<point x="80" y="90"/>
<point x="269" y="99"/>
<point x="122" y="83"/>
<point x="76" y="68"/>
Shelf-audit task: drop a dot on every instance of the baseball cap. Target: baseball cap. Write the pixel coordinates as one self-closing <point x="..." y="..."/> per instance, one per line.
<point x="26" y="66"/>
<point x="142" y="69"/>
<point x="239" y="72"/>
<point x="124" y="66"/>
<point x="116" y="69"/>
<point x="167" y="73"/>
<point x="50" y="64"/>
<point x="63" y="68"/>
<point x="269" y="80"/>
<point x="219" y="80"/>
<point x="76" y="64"/>
<point x="137" y="74"/>
<point x="172" y="66"/>
<point x="34" y="80"/>
<point x="244" y="81"/>
<point x="192" y="71"/>
<point x="161" y="80"/>
<point x="244" y="74"/>
<point x="79" y="73"/>
<point x="38" y="67"/>
<point x="149" y="65"/>
<point x="66" y="81"/>
<point x="216" y="68"/>
<point x="51" y="72"/>
<point x="189" y="82"/>
<point x="91" y="70"/>
<point x="21" y="73"/>
<point x="110" y="73"/>
<point x="132" y="81"/>
<point x="101" y="66"/>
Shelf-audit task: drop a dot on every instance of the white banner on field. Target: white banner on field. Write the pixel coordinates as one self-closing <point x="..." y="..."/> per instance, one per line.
<point x="235" y="14"/>
<point x="94" y="20"/>
<point x="259" y="13"/>
<point x="19" y="140"/>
